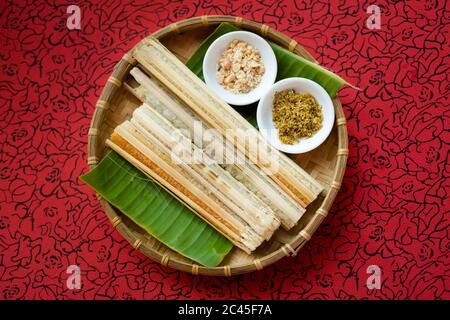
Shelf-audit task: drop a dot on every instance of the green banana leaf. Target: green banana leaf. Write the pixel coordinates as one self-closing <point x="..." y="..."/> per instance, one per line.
<point x="289" y="65"/>
<point x="157" y="211"/>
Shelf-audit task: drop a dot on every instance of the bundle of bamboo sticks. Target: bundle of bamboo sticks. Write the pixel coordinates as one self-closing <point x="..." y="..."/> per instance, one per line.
<point x="242" y="197"/>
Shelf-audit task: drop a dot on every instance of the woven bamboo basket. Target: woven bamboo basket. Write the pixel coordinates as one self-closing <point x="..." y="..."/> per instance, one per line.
<point x="326" y="163"/>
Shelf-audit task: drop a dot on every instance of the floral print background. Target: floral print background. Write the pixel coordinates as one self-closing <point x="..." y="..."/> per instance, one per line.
<point x="393" y="208"/>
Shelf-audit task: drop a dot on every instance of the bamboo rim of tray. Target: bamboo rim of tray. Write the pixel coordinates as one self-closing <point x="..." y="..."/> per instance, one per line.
<point x="137" y="240"/>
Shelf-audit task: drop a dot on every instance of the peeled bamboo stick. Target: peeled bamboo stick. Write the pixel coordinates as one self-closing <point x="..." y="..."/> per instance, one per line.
<point x="256" y="212"/>
<point x="161" y="63"/>
<point x="151" y="142"/>
<point x="232" y="193"/>
<point x="167" y="106"/>
<point x="208" y="208"/>
<point x="119" y="144"/>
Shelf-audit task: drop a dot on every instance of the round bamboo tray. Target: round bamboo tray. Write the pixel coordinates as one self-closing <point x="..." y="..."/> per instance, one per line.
<point x="327" y="163"/>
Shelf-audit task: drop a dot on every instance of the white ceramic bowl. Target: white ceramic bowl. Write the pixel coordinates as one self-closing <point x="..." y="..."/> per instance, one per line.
<point x="216" y="50"/>
<point x="267" y="126"/>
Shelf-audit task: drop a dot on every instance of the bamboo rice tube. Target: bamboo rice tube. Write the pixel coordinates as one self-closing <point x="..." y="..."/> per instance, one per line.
<point x="126" y="142"/>
<point x="232" y="193"/>
<point x="161" y="63"/>
<point x="161" y="101"/>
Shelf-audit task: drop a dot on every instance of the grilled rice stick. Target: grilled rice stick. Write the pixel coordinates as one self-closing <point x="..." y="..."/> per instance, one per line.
<point x="128" y="142"/>
<point x="259" y="216"/>
<point x="160" y="100"/>
<point x="170" y="71"/>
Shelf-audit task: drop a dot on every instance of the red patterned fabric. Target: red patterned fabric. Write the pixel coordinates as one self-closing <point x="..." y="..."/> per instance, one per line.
<point x="392" y="210"/>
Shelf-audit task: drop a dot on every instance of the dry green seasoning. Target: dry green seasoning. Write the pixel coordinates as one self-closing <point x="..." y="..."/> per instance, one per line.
<point x="296" y="115"/>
